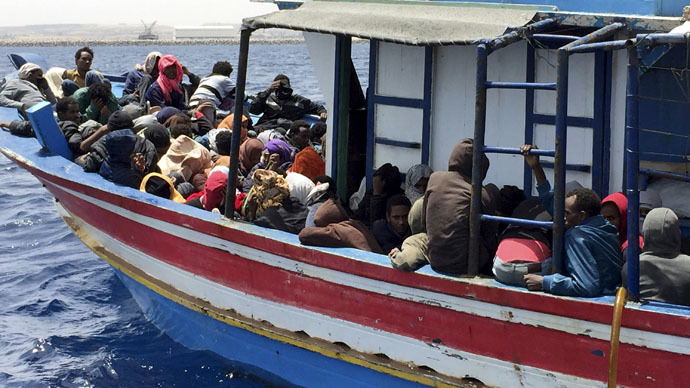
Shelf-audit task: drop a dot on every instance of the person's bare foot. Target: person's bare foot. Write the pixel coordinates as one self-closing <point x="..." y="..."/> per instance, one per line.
<point x="4" y="124"/>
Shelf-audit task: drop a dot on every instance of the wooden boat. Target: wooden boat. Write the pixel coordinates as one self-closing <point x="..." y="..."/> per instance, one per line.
<point x="343" y="317"/>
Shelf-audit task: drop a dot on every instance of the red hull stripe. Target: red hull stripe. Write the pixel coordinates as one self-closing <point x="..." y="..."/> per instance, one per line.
<point x="521" y="344"/>
<point x="644" y="320"/>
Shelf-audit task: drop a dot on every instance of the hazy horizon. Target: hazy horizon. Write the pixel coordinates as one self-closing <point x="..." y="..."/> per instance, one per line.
<point x="169" y="12"/>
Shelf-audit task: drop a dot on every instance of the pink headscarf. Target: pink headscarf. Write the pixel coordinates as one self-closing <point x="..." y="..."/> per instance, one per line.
<point x="167" y="85"/>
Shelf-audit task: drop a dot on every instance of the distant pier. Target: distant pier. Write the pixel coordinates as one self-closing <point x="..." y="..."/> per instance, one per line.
<point x="137" y="42"/>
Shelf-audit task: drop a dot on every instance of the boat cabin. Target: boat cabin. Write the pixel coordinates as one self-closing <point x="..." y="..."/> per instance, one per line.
<point x="505" y="75"/>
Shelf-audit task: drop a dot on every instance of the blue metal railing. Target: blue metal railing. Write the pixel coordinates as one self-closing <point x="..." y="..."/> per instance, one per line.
<point x="561" y="123"/>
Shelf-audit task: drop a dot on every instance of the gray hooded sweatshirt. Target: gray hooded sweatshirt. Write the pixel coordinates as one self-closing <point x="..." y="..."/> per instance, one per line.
<point x="664" y="271"/>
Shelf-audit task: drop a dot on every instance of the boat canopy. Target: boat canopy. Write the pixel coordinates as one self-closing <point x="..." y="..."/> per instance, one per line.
<point x="409" y="24"/>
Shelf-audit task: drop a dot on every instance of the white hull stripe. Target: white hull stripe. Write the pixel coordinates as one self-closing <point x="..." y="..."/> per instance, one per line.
<point x="665" y="342"/>
<point x="362" y="338"/>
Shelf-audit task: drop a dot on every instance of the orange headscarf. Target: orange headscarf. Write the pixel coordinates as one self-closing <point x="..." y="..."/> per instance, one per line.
<point x="308" y="163"/>
<point x="227" y="123"/>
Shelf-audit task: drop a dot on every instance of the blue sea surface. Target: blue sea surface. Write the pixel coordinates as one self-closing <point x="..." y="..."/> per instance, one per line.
<point x="66" y="320"/>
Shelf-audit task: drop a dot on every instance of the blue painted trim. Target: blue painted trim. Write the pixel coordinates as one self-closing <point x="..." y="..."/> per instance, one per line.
<point x="397" y="143"/>
<point x="529" y="116"/>
<point x="665" y="174"/>
<point x="521" y="85"/>
<point x="518" y="221"/>
<point x="398" y="101"/>
<point x="333" y="149"/>
<point x="572" y="121"/>
<point x="569" y="167"/>
<point x="426" y="115"/>
<point x="288" y="364"/>
<point x="371" y="110"/>
<point x="516" y="151"/>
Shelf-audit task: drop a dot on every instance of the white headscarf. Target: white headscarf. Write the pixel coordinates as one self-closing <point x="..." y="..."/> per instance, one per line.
<point x="150" y="62"/>
<point x="414" y="174"/>
<point x="26" y="69"/>
<point x="300" y="186"/>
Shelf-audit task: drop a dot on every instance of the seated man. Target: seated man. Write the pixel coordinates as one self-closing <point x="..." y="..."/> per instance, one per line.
<point x="23" y="93"/>
<point x="68" y="122"/>
<point x="308" y="162"/>
<point x="76" y="78"/>
<point x="385" y="184"/>
<point x="447" y="204"/>
<point x="414" y="252"/>
<point x="280" y="107"/>
<point x="664" y="271"/>
<point x="167" y="91"/>
<point x="216" y="88"/>
<point x="592" y="253"/>
<point x="391" y="232"/>
<point x="96" y="102"/>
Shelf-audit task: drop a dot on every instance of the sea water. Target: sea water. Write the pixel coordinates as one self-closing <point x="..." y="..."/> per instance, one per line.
<point x="66" y="320"/>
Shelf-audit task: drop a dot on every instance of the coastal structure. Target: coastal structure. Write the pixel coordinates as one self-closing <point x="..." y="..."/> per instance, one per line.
<point x="600" y="87"/>
<point x="204" y="32"/>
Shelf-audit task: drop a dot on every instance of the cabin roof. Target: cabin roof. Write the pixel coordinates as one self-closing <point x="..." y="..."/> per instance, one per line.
<point x="410" y="24"/>
<point x="435" y="23"/>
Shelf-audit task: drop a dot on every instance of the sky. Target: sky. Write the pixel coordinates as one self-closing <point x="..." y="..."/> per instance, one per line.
<point x="170" y="12"/>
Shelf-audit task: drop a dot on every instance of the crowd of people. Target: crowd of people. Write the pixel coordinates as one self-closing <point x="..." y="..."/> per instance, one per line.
<point x="172" y="139"/>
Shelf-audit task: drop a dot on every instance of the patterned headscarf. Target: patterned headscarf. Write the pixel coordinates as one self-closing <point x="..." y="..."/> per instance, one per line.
<point x="270" y="189"/>
<point x="150" y="61"/>
<point x="414" y="174"/>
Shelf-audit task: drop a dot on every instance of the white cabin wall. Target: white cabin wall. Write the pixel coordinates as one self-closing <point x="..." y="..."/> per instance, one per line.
<point x="580" y="104"/>
<point x="505" y="114"/>
<point x="322" y="52"/>
<point x="452" y="104"/>
<point x="453" y="107"/>
<point x="399" y="73"/>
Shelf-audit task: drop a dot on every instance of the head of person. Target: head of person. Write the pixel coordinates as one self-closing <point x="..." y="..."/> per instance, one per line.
<point x="284" y="90"/>
<point x="581" y="204"/>
<point x="223" y="142"/>
<point x="170" y="67"/>
<point x="30" y="72"/>
<point x="299" y="133"/>
<point x="151" y="62"/>
<point x="83" y="59"/>
<point x="279" y="147"/>
<point x="416" y="180"/>
<point x="180" y="129"/>
<point x="120" y="120"/>
<point x="661" y="233"/>
<point x="460" y="159"/>
<point x="99" y="92"/>
<point x="321" y="179"/>
<point x="614" y="208"/>
<point x="222" y="68"/>
<point x="160" y="137"/>
<point x="508" y="199"/>
<point x="397" y="210"/>
<point x="317" y="131"/>
<point x="649" y="199"/>
<point x="391" y="177"/>
<point x="68" y="109"/>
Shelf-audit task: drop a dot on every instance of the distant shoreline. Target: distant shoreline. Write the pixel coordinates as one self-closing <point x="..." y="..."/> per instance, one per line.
<point x="137" y="42"/>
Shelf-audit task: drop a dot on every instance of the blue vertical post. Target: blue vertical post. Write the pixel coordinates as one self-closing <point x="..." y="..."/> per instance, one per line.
<point x="478" y="152"/>
<point x="237" y="121"/>
<point x="559" y="162"/>
<point x="632" y="159"/>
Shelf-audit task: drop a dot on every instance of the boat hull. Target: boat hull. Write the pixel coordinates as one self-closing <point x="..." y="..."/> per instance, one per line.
<point x="222" y="285"/>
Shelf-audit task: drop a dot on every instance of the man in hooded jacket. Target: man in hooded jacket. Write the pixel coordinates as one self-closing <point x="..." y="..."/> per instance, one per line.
<point x="664" y="271"/>
<point x="447" y="203"/>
